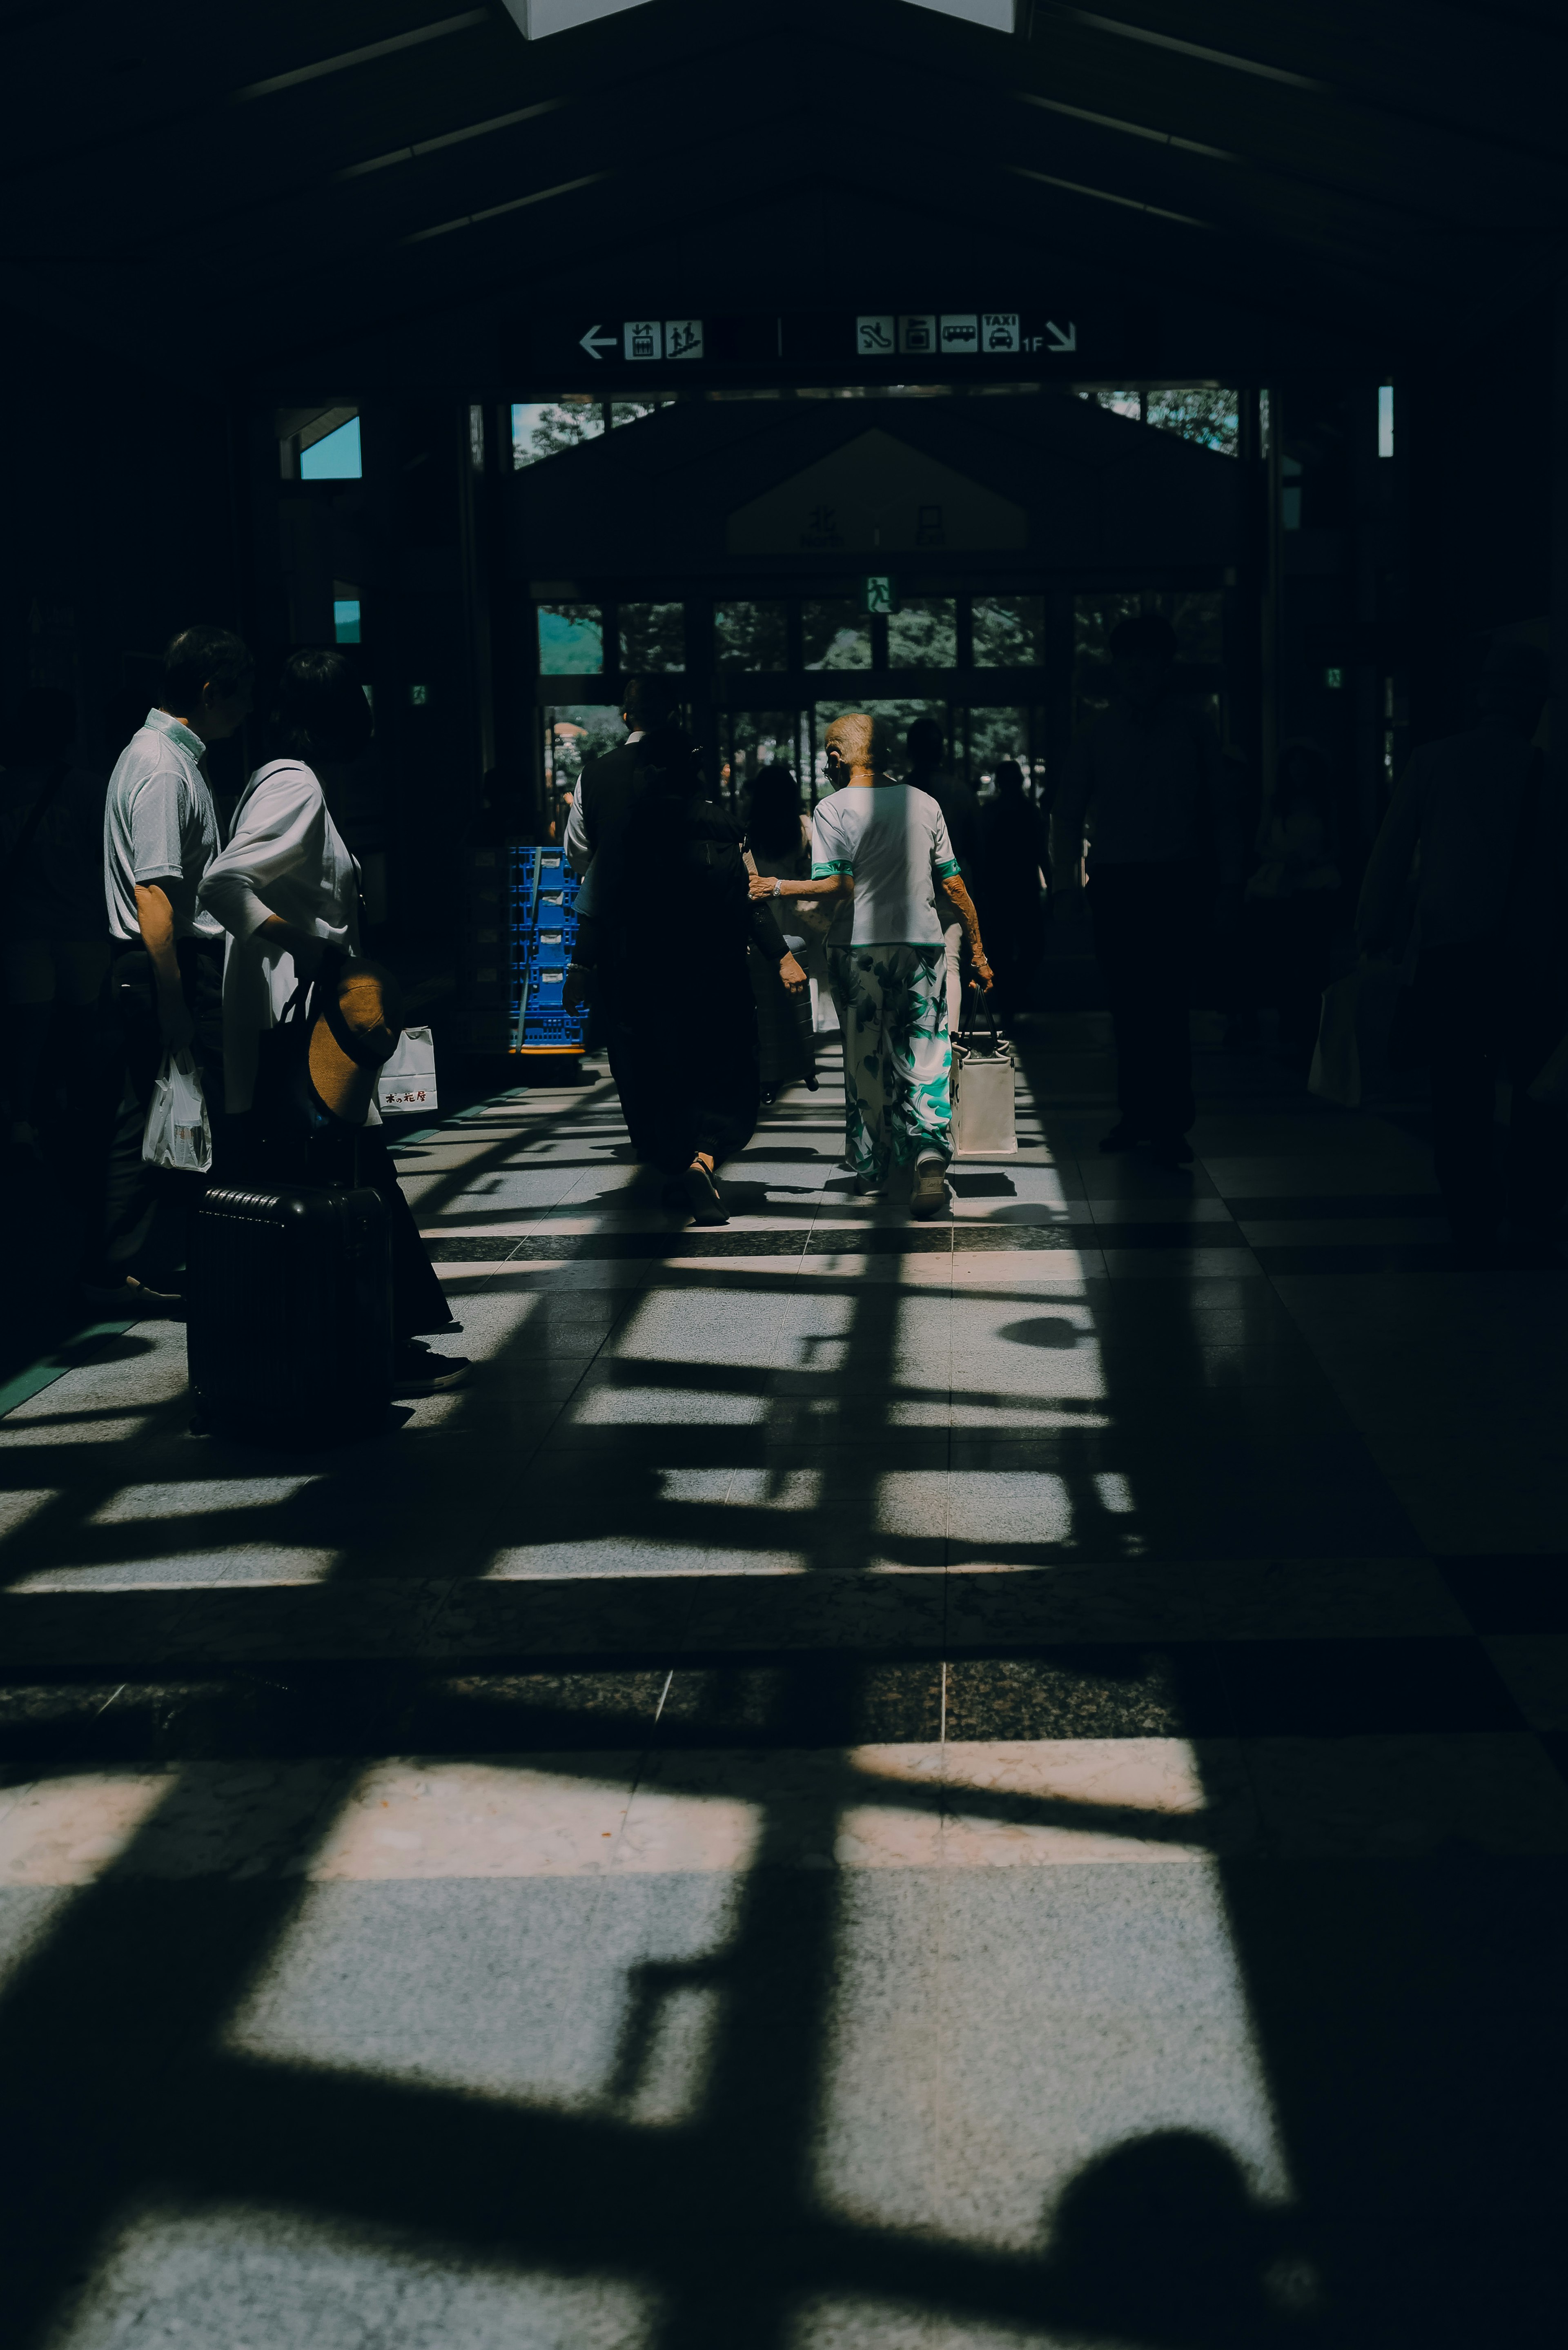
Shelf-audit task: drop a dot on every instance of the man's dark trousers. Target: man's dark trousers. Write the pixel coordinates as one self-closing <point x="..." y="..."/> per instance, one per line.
<point x="147" y="1210"/>
<point x="1144" y="938"/>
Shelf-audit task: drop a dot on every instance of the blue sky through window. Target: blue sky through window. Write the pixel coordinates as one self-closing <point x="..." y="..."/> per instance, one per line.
<point x="334" y="458"/>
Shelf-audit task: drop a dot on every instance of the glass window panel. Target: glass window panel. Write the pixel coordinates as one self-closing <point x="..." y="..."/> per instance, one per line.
<point x="1201" y="412"/>
<point x="652" y="636"/>
<point x="994" y="735"/>
<point x="923" y="633"/>
<point x="627" y="411"/>
<point x="1009" y="632"/>
<point x="758" y="737"/>
<point x="752" y="635"/>
<point x="835" y="633"/>
<point x="346" y="620"/>
<point x="571" y="640"/>
<point x="893" y="720"/>
<point x="575" y="732"/>
<point x="1197" y="616"/>
<point x="543" y="429"/>
<point x="334" y="458"/>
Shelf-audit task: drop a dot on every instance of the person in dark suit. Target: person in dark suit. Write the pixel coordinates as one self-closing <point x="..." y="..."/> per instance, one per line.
<point x="689" y="1082"/>
<point x="607" y="785"/>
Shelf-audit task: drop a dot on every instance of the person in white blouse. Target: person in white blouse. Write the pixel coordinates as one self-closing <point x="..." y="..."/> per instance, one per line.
<point x="286" y="890"/>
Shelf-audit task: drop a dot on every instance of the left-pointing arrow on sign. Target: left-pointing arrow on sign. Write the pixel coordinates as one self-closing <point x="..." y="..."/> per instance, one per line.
<point x="597" y="344"/>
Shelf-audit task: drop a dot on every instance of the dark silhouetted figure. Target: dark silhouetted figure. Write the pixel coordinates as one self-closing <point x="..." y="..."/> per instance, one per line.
<point x="1014" y="857"/>
<point x="778" y="844"/>
<point x="687" y="1072"/>
<point x="1290" y="899"/>
<point x="1144" y="779"/>
<point x="1492" y="906"/>
<point x="928" y="771"/>
<point x="607" y="785"/>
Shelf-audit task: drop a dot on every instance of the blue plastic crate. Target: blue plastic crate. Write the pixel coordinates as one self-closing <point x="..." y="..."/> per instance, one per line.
<point x="546" y="988"/>
<point x="558" y="1031"/>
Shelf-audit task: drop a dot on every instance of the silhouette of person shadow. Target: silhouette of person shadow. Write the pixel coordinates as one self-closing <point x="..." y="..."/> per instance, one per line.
<point x="1160" y="2241"/>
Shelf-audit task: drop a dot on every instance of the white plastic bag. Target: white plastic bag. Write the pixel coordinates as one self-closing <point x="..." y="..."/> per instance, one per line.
<point x="407" y="1081"/>
<point x="179" y="1133"/>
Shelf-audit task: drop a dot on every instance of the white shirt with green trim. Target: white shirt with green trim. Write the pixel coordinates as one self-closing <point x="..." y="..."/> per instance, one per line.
<point x="894" y="840"/>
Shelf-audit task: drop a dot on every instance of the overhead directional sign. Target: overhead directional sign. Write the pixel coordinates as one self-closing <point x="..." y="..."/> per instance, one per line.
<point x="901" y="345"/>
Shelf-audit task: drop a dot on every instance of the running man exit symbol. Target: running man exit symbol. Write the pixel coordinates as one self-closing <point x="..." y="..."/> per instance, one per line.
<point x="879" y="596"/>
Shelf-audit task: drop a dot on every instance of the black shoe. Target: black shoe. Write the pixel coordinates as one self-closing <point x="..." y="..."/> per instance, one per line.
<point x="1121" y="1138"/>
<point x="417" y="1370"/>
<point x="1169" y="1150"/>
<point x="699" y="1195"/>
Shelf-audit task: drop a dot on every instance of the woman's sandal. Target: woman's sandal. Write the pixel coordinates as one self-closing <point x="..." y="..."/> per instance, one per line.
<point x="701" y="1196"/>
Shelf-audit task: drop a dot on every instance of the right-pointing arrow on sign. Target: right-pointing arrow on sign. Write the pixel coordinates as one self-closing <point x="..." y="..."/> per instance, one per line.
<point x="1060" y="341"/>
<point x="597" y="344"/>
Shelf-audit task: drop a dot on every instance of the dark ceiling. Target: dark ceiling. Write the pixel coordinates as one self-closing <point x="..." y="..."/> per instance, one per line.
<point x="319" y="191"/>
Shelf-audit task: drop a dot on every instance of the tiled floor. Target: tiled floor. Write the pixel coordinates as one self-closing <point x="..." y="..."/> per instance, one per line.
<point x="864" y="1787"/>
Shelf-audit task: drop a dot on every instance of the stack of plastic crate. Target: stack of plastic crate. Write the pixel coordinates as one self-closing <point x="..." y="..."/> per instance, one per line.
<point x="521" y="925"/>
<point x="544" y="926"/>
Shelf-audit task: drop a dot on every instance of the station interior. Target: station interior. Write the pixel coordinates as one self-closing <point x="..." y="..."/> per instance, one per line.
<point x="990" y="1784"/>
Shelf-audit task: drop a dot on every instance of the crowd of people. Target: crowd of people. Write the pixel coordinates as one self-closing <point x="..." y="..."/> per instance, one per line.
<point x="155" y="942"/>
<point x="136" y="930"/>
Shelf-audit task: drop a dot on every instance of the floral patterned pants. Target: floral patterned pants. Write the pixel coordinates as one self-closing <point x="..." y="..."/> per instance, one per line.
<point x="897" y="1062"/>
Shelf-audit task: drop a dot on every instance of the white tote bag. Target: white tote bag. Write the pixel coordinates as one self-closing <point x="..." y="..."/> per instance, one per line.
<point x="984" y="1126"/>
<point x="407" y="1081"/>
<point x="178" y="1132"/>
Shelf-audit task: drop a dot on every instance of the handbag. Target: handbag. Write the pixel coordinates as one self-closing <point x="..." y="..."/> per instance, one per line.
<point x="984" y="1120"/>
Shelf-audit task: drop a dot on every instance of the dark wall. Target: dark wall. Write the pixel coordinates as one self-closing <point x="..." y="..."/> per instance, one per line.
<point x="1478" y="453"/>
<point x="117" y="521"/>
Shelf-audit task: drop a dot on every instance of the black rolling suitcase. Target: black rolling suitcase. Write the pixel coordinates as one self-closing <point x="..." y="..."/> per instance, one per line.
<point x="289" y="1313"/>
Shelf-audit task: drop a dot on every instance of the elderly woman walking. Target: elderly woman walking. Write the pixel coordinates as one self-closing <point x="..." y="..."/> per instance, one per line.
<point x="885" y="846"/>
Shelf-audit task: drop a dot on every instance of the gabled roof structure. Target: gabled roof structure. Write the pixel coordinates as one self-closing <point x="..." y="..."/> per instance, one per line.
<point x="1224" y="185"/>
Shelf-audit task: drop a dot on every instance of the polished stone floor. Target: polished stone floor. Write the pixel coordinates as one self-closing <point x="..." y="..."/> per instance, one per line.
<point x="890" y="1787"/>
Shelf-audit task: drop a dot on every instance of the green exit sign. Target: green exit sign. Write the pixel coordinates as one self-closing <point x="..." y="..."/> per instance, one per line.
<point x="877" y="597"/>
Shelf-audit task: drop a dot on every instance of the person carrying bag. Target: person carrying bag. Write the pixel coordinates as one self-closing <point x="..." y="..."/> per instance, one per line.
<point x="308" y="1027"/>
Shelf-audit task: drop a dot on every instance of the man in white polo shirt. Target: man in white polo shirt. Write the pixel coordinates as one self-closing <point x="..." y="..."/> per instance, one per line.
<point x="885" y="847"/>
<point x="165" y="984"/>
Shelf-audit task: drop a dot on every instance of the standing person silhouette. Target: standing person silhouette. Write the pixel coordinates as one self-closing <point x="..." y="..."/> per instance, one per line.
<point x="691" y="1087"/>
<point x="1485" y="825"/>
<point x="1144" y="781"/>
<point x="928" y="771"/>
<point x="1013" y="855"/>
